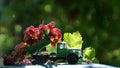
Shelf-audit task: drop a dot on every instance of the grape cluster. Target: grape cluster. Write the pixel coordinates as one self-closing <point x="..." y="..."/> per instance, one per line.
<point x="18" y="55"/>
<point x="32" y="35"/>
<point x="54" y="33"/>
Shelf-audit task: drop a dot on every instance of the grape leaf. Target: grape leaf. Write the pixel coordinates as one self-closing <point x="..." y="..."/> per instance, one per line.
<point x="51" y="49"/>
<point x="74" y="39"/>
<point x="89" y="54"/>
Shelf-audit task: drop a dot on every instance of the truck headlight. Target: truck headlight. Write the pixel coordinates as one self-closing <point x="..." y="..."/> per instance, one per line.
<point x="80" y="54"/>
<point x="74" y="51"/>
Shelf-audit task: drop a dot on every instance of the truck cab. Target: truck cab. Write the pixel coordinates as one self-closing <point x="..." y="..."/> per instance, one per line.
<point x="65" y="52"/>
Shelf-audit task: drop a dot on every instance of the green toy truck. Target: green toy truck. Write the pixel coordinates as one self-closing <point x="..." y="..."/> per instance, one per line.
<point x="63" y="52"/>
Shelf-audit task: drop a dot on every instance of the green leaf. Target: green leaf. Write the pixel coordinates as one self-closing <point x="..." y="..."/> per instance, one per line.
<point x="89" y="53"/>
<point x="51" y="49"/>
<point x="74" y="40"/>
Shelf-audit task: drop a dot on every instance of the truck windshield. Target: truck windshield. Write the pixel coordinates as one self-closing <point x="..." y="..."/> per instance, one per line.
<point x="66" y="45"/>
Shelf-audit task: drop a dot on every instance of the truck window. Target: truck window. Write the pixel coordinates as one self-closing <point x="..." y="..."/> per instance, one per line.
<point x="66" y="45"/>
<point x="61" y="46"/>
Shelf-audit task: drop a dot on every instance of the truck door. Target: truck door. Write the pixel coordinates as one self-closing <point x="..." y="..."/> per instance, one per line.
<point x="61" y="50"/>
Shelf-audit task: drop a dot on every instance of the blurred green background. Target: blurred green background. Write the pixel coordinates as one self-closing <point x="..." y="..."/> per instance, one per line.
<point x="98" y="21"/>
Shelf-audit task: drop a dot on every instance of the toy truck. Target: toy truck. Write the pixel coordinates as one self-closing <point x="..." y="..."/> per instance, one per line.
<point x="63" y="52"/>
<point x="67" y="53"/>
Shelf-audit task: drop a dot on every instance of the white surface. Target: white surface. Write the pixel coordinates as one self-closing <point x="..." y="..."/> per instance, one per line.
<point x="64" y="66"/>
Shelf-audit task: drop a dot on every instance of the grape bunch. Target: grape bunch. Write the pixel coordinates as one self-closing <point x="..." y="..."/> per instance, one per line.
<point x="54" y="33"/>
<point x="32" y="35"/>
<point x="16" y="55"/>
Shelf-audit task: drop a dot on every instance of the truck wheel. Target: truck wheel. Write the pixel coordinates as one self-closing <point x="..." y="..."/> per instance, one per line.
<point x="53" y="56"/>
<point x="40" y="59"/>
<point x="72" y="59"/>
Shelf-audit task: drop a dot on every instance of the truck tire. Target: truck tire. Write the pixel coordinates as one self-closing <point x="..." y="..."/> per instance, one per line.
<point x="40" y="59"/>
<point x="72" y="59"/>
<point x="53" y="56"/>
